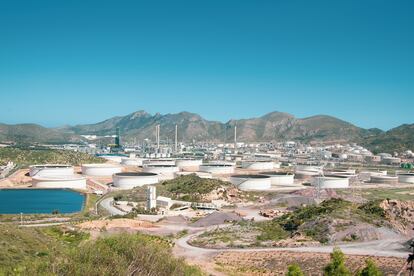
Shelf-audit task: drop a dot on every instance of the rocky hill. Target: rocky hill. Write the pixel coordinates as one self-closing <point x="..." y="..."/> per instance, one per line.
<point x="275" y="126"/>
<point x="272" y="126"/>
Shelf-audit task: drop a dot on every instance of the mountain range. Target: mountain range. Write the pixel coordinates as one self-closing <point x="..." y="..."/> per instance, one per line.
<point x="275" y="126"/>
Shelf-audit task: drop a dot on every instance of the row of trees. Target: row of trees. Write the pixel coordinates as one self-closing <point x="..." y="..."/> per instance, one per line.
<point x="337" y="267"/>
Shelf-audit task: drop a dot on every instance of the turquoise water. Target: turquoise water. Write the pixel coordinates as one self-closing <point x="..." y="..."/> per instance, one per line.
<point x="40" y="201"/>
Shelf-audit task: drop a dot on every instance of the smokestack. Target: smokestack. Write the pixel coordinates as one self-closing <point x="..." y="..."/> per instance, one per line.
<point x="158" y="136"/>
<point x="176" y="138"/>
<point x="235" y="138"/>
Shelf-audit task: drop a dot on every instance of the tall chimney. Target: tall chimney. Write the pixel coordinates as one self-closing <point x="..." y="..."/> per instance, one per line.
<point x="235" y="138"/>
<point x="176" y="138"/>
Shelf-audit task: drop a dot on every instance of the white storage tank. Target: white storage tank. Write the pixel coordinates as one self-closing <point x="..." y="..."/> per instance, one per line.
<point x="280" y="178"/>
<point x="188" y="165"/>
<point x="252" y="182"/>
<point x="160" y="161"/>
<point x="384" y="179"/>
<point x="100" y="169"/>
<point x="62" y="182"/>
<point x="199" y="174"/>
<point x="258" y="165"/>
<point x="330" y="182"/>
<point x="406" y="178"/>
<point x="51" y="170"/>
<point x="130" y="180"/>
<point x="165" y="172"/>
<point x="217" y="168"/>
<point x="305" y="171"/>
<point x="132" y="162"/>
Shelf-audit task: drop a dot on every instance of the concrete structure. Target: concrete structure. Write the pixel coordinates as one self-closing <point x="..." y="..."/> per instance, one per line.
<point x="160" y="161"/>
<point x="406" y="178"/>
<point x="132" y="162"/>
<point x="217" y="168"/>
<point x="330" y="182"/>
<point x="51" y="170"/>
<point x="130" y="180"/>
<point x="62" y="182"/>
<point x="280" y="178"/>
<point x="258" y="165"/>
<point x="384" y="179"/>
<point x="305" y="171"/>
<point x="151" y="197"/>
<point x="252" y="182"/>
<point x="100" y="169"/>
<point x="199" y="174"/>
<point x="391" y="160"/>
<point x="165" y="172"/>
<point x="188" y="165"/>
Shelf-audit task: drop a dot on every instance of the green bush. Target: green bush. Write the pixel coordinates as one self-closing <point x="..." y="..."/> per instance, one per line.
<point x="370" y="269"/>
<point x="294" y="270"/>
<point x="337" y="265"/>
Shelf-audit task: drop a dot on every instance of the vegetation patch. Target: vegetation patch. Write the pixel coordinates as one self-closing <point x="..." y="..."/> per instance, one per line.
<point x="24" y="157"/>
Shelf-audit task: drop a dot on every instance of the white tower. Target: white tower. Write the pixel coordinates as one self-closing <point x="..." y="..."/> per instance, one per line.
<point x="176" y="138"/>
<point x="235" y="138"/>
<point x="151" y="197"/>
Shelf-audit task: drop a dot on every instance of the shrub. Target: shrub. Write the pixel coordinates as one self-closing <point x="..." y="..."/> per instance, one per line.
<point x="337" y="265"/>
<point x="294" y="270"/>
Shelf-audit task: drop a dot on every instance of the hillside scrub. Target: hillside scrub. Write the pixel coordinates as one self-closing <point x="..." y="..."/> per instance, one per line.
<point x="24" y="157"/>
<point x="56" y="251"/>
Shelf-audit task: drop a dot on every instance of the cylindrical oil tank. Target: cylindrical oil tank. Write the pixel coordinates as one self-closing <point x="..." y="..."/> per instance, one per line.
<point x="60" y="182"/>
<point x="305" y="171"/>
<point x="217" y="168"/>
<point x="330" y="182"/>
<point x="384" y="179"/>
<point x="100" y="170"/>
<point x="188" y="165"/>
<point x="159" y="161"/>
<point x="50" y="170"/>
<point x="406" y="178"/>
<point x="280" y="178"/>
<point x="258" y="165"/>
<point x="199" y="174"/>
<point x="165" y="172"/>
<point x="252" y="182"/>
<point x="130" y="180"/>
<point x="132" y="162"/>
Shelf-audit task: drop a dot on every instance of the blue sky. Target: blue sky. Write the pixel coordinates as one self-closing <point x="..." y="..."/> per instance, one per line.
<point x="80" y="61"/>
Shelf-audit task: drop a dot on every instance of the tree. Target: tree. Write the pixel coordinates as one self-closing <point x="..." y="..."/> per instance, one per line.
<point x="337" y="265"/>
<point x="370" y="269"/>
<point x="294" y="270"/>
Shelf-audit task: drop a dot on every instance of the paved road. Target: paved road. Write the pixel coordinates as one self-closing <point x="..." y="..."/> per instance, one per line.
<point x="383" y="248"/>
<point x="107" y="205"/>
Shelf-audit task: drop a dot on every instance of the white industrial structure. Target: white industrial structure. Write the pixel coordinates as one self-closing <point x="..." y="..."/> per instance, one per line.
<point x="330" y="182"/>
<point x="151" y="197"/>
<point x="100" y="169"/>
<point x="406" y="178"/>
<point x="258" y="165"/>
<point x="305" y="171"/>
<point x="217" y="168"/>
<point x="130" y="180"/>
<point x="384" y="179"/>
<point x="204" y="175"/>
<point x="165" y="172"/>
<point x="160" y="161"/>
<point x="189" y="165"/>
<point x="50" y="170"/>
<point x="77" y="182"/>
<point x="280" y="178"/>
<point x="252" y="182"/>
<point x="132" y="162"/>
